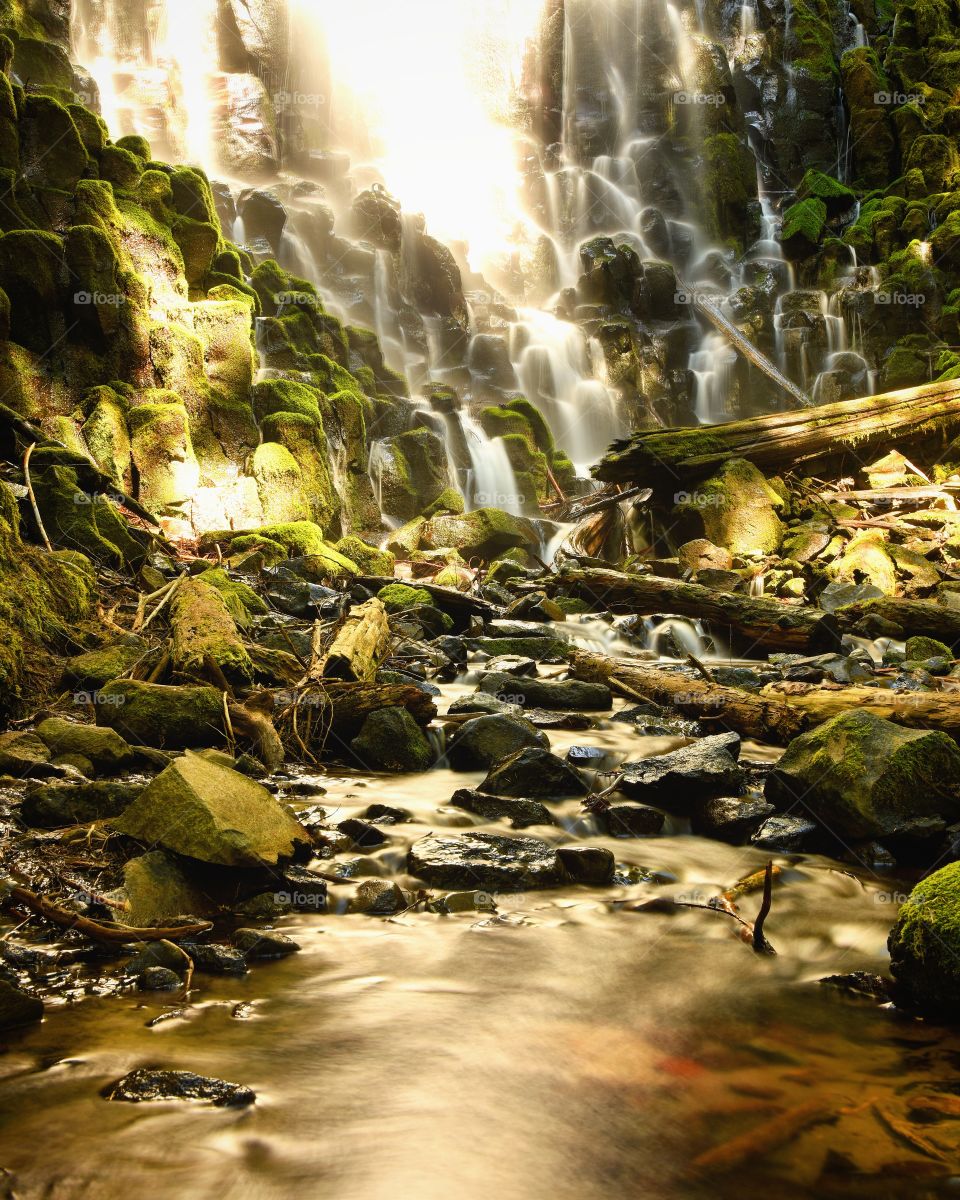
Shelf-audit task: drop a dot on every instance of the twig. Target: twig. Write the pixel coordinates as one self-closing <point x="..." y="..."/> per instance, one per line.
<point x="760" y="943"/>
<point x="33" y="498"/>
<point x="171" y="589"/>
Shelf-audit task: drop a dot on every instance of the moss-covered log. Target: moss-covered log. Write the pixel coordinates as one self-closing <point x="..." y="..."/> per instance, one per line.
<point x="914" y="618"/>
<point x="204" y="630"/>
<point x="915" y="710"/>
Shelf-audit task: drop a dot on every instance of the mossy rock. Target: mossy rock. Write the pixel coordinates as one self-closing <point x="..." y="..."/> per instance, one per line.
<point x="135" y="144"/>
<point x="163" y="454"/>
<point x="484" y="533"/>
<point x="78" y="519"/>
<point x="120" y="168"/>
<point x="391" y="740"/>
<point x="93" y="669"/>
<point x="106" y="435"/>
<point x="52" y="153"/>
<point x="162" y="715"/>
<point x="104" y="748"/>
<point x="198" y="242"/>
<point x="924" y="947"/>
<point x="241" y="600"/>
<point x="730" y="190"/>
<point x="33" y="275"/>
<point x="371" y="560"/>
<point x="279" y="483"/>
<point x="300" y="539"/>
<point x="410" y="472"/>
<point x="837" y="197"/>
<point x="803" y="225"/>
<point x="449" y="501"/>
<point x="937" y="159"/>
<point x="735" y="508"/>
<point x="96" y="294"/>
<point x="286" y="396"/>
<point x="398" y="597"/>
<point x="866" y="560"/>
<point x="306" y="443"/>
<point x="919" y="649"/>
<point x="204" y="630"/>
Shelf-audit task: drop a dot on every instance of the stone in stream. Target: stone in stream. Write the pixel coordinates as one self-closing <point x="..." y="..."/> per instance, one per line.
<point x="534" y="772"/>
<point x="261" y="945"/>
<point x="514" y="665"/>
<point x="571" y="694"/>
<point x="588" y="864"/>
<point x="378" y="898"/>
<point x="158" y="979"/>
<point x="486" y="740"/>
<point x="729" y="818"/>
<point x="156" y="891"/>
<point x="924" y="946"/>
<point x="146" y="1084"/>
<point x="16" y="1007"/>
<point x="367" y="837"/>
<point x="105" y="748"/>
<point x="391" y="740"/>
<point x="53" y="805"/>
<point x="24" y="755"/>
<point x="211" y="959"/>
<point x="485" y="860"/>
<point x="165" y="715"/>
<point x="541" y="649"/>
<point x="520" y="813"/>
<point x="480" y="703"/>
<point x="707" y="767"/>
<point x="863" y="777"/>
<point x="631" y="820"/>
<point x="208" y="812"/>
<point x="787" y="833"/>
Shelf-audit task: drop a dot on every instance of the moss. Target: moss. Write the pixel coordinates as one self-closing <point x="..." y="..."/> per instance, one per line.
<point x="370" y="559"/>
<point x="397" y="597"/>
<point x="106" y="435"/>
<point x="729" y="190"/>
<point x="198" y="242"/>
<point x="937" y="159"/>
<point x="735" y="508"/>
<point x="306" y="443"/>
<point x="286" y="396"/>
<point x="297" y="538"/>
<point x="241" y="600"/>
<point x="449" y="501"/>
<point x="120" y="168"/>
<point x="153" y="714"/>
<point x="925" y="946"/>
<point x="137" y="145"/>
<point x="837" y="197"/>
<point x="96" y="292"/>
<point x="31" y="266"/>
<point x="163" y="454"/>
<point x="52" y="153"/>
<point x="76" y="518"/>
<point x="872" y="138"/>
<point x="803" y="225"/>
<point x="809" y="39"/>
<point x="279" y="483"/>
<point x="203" y="629"/>
<point x="866" y="560"/>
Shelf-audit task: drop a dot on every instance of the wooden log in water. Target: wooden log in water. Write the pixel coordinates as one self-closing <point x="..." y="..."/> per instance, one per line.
<point x="840" y="437"/>
<point x="915" y="710"/>
<point x="915" y="618"/>
<point x="756" y="621"/>
<point x="359" y="646"/>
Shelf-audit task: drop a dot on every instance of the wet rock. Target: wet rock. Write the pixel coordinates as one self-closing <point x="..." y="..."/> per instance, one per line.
<point x="391" y="740"/>
<point x="540" y="649"/>
<point x="260" y="945"/>
<point x="485" y="860"/>
<point x="368" y="837"/>
<point x="859" y="983"/>
<point x="701" y="555"/>
<point x="24" y="755"/>
<point x="705" y="768"/>
<point x="145" y="1084"/>
<point x="540" y="718"/>
<point x="513" y="665"/>
<point x="211" y="959"/>
<point x="836" y="595"/>
<point x="158" y="979"/>
<point x="302" y="890"/>
<point x="586" y="756"/>
<point x="16" y="1007"/>
<point x="386" y="814"/>
<point x="534" y="772"/>
<point x="786" y="833"/>
<point x="520" y="813"/>
<point x="163" y="715"/>
<point x="549" y="693"/>
<point x="864" y="777"/>
<point x="208" y="812"/>
<point x="486" y="740"/>
<point x="51" y="806"/>
<point x="736" y="509"/>
<point x="631" y="820"/>
<point x="378" y="897"/>
<point x="105" y="748"/>
<point x="484" y="533"/>
<point x="588" y="864"/>
<point x="481" y="702"/>
<point x="924" y="946"/>
<point x="730" y="819"/>
<point x="156" y="891"/>
<point x="869" y="854"/>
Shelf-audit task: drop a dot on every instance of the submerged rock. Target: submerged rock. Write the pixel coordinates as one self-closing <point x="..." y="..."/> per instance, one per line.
<point x="261" y="945"/>
<point x="208" y="812"/>
<point x="570" y="694"/>
<point x="485" y="860"/>
<point x="924" y="946"/>
<point x="145" y="1084"/>
<point x="486" y="740"/>
<point x="705" y="768"/>
<point x="534" y="772"/>
<point x="862" y="776"/>
<point x="588" y="864"/>
<point x="520" y="813"/>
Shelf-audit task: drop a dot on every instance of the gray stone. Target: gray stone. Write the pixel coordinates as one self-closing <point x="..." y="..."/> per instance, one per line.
<point x="391" y="740"/>
<point x="105" y="748"/>
<point x="50" y="806"/>
<point x="787" y="833"/>
<point x="588" y="864"/>
<point x="520" y="813"/>
<point x="534" y="773"/>
<point x="570" y="694"/>
<point x="487" y="740"/>
<point x="485" y="860"/>
<point x="705" y="768"/>
<point x="730" y="819"/>
<point x="260" y="945"/>
<point x="632" y="820"/>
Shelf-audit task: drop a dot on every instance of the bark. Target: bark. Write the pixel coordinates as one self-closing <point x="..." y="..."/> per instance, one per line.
<point x="916" y="618"/>
<point x="916" y="710"/>
<point x="760" y="622"/>
<point x="360" y="645"/>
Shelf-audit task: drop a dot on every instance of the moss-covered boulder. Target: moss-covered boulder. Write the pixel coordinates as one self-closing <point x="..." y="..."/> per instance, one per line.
<point x="205" y="811"/>
<point x="398" y="597"/>
<point x="52" y="153"/>
<point x="730" y="190"/>
<point x="104" y="748"/>
<point x="93" y="669"/>
<point x="162" y="715"/>
<point x="924" y="947"/>
<point x="162" y="450"/>
<point x="106" y="435"/>
<point x="803" y="226"/>
<point x="157" y="891"/>
<point x="370" y="559"/>
<point x="409" y="472"/>
<point x="241" y="600"/>
<point x="484" y="533"/>
<point x="391" y="740"/>
<point x="736" y="509"/>
<point x="862" y="776"/>
<point x="866" y="559"/>
<point x="33" y="275"/>
<point x="871" y="134"/>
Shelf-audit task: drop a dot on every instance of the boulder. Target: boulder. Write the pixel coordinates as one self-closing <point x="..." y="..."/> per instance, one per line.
<point x="206" y="811"/>
<point x="50" y="806"/>
<point x="862" y="776"/>
<point x="534" y="772"/>
<point x="16" y="1007"/>
<point x="631" y="820"/>
<point x="785" y="833"/>
<point x="487" y="740"/>
<point x="378" y="898"/>
<point x="485" y="860"/>
<point x="572" y="694"/>
<point x="145" y="1084"/>
<point x="391" y="740"/>
<point x="203" y="630"/>
<point x="736" y="509"/>
<point x="156" y="891"/>
<point x="481" y="703"/>
<point x="705" y="768"/>
<point x="105" y="748"/>
<point x="262" y="945"/>
<point x="730" y="819"/>
<point x="156" y="714"/>
<point x="484" y="533"/>
<point x="924" y="946"/>
<point x="588" y="864"/>
<point x="520" y="813"/>
<point x="95" y="668"/>
<point x="23" y="754"/>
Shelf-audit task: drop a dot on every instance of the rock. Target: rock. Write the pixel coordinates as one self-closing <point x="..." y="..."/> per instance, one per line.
<point x="145" y="1084"/>
<point x="485" y="860"/>
<point x="260" y="945"/>
<point x="16" y="1007"/>
<point x="24" y="755"/>
<point x="208" y="812"/>
<point x="786" y="833"/>
<point x="705" y="768"/>
<point x="588" y="864"/>
<point x="156" y="714"/>
<point x="836" y="595"/>
<point x="862" y="776"/>
<point x="534" y="772"/>
<point x="391" y="740"/>
<point x="701" y="555"/>
<point x="919" y="649"/>
<point x="204" y="630"/>
<point x="50" y="806"/>
<point x="378" y="897"/>
<point x="386" y="814"/>
<point x="730" y="819"/>
<point x="157" y="891"/>
<point x="631" y="820"/>
<point x="569" y="694"/>
<point x="368" y="837"/>
<point x="484" y="533"/>
<point x="481" y="743"/>
<point x="105" y="748"/>
<point x="158" y="979"/>
<point x="924" y="946"/>
<point x="302" y="890"/>
<point x="211" y="959"/>
<point x="480" y="703"/>
<point x="95" y="668"/>
<point x="736" y="509"/>
<point x="520" y="813"/>
<point x="540" y="649"/>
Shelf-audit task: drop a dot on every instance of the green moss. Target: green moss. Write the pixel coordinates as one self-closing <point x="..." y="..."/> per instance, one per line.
<point x="286" y="396"/>
<point x="52" y="153"/>
<point x="735" y="508"/>
<point x="837" y="197"/>
<point x="925" y="946"/>
<point x="729" y="189"/>
<point x="204" y="630"/>
<point x="241" y="600"/>
<point x="31" y="265"/>
<point x="279" y="483"/>
<point x="449" y="501"/>
<point x="370" y="559"/>
<point x="802" y="229"/>
<point x="137" y="145"/>
<point x="397" y="597"/>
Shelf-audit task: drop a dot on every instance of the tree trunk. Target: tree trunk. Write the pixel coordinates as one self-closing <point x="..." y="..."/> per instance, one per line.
<point x="916" y="618"/>
<point x="916" y="710"/>
<point x="360" y="645"/>
<point x="760" y="622"/>
<point x="838" y="437"/>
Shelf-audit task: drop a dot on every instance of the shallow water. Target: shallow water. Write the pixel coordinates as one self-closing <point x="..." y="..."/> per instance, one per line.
<point x="564" y="1046"/>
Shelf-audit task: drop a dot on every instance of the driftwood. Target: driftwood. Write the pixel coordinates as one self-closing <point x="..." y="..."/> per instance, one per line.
<point x="832" y="436"/>
<point x="759" y="621"/>
<point x="914" y="617"/>
<point x="915" y="710"/>
<point x="766" y="718"/>
<point x="359" y="645"/>
<point x="756" y="1143"/>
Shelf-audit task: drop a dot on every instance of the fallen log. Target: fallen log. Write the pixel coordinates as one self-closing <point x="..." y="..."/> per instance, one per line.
<point x="758" y="621"/>
<point x="460" y="605"/>
<point x="327" y="709"/>
<point x="359" y="645"/>
<point x="915" y="618"/>
<point x="835" y="437"/>
<point x="765" y="718"/>
<point x="915" y="710"/>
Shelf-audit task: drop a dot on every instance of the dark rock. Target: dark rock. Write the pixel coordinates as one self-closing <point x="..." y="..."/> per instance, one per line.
<point x="145" y="1084"/>
<point x="485" y="860"/>
<point x="366" y="836"/>
<point x="210" y="959"/>
<point x="481" y="743"/>
<point x="859" y="983"/>
<point x="677" y="780"/>
<point x="379" y="898"/>
<point x="588" y="864"/>
<point x="520" y="813"/>
<point x="631" y="820"/>
<point x="790" y="834"/>
<point x="302" y="890"/>
<point x="105" y="748"/>
<point x="391" y="740"/>
<point x="50" y="806"/>
<point x="730" y="819"/>
<point x="386" y="814"/>
<point x="534" y="772"/>
<point x="16" y="1007"/>
<point x="549" y="693"/>
<point x="480" y="703"/>
<point x="836" y="595"/>
<point x="540" y="718"/>
<point x="158" y="979"/>
<point x="258" y="945"/>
